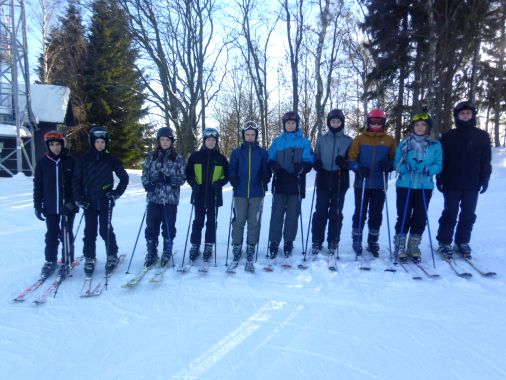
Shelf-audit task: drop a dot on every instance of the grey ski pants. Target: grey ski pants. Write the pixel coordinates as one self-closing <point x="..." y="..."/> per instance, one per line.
<point x="285" y="208"/>
<point x="246" y="210"/>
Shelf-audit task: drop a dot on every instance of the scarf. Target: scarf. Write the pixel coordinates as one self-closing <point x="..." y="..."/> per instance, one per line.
<point x="418" y="144"/>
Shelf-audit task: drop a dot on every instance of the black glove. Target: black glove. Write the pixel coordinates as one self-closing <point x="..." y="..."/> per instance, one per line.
<point x="484" y="186"/>
<point x="39" y="214"/>
<point x="68" y="208"/>
<point x="298" y="168"/>
<point x="174" y="182"/>
<point x="234" y="181"/>
<point x="385" y="166"/>
<point x="113" y="195"/>
<point x="83" y="204"/>
<point x="216" y="186"/>
<point x="439" y="183"/>
<point x="341" y="162"/>
<point x="195" y="189"/>
<point x="149" y="187"/>
<point x="162" y="179"/>
<point x="364" y="172"/>
<point x="318" y="165"/>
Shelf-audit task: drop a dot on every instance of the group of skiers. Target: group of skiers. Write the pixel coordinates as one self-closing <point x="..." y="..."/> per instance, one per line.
<point x="460" y="162"/>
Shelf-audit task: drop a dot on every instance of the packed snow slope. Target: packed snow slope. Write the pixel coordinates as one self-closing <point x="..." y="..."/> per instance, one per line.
<point x="288" y="324"/>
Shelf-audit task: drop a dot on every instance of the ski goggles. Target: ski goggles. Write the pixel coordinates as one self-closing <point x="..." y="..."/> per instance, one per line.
<point x="376" y="121"/>
<point x="421" y="116"/>
<point x="100" y="134"/>
<point x="250" y="125"/>
<point x="210" y="132"/>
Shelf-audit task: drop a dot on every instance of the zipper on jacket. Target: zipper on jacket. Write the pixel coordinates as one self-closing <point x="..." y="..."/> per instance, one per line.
<point x="249" y="169"/>
<point x="57" y="187"/>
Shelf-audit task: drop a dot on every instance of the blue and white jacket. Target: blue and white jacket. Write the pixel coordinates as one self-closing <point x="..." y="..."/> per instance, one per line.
<point x="248" y="169"/>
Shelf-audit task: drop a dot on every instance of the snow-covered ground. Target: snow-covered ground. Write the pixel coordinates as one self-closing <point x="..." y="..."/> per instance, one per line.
<point x="289" y="324"/>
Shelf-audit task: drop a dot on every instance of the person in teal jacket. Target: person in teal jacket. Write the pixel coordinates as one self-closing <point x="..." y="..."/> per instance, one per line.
<point x="417" y="159"/>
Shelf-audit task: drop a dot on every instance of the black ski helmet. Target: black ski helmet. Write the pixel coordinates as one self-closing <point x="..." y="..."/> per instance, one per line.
<point x="98" y="133"/>
<point x="164" y="132"/>
<point x="291" y="116"/>
<point x="465" y="105"/>
<point x="336" y="114"/>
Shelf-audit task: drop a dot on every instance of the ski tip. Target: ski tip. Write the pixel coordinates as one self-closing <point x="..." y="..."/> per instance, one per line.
<point x="417" y="278"/>
<point x="466" y="275"/>
<point x="332" y="269"/>
<point x="19" y="300"/>
<point x="392" y="270"/>
<point x="490" y="274"/>
<point x="434" y="276"/>
<point x="267" y="269"/>
<point x="365" y="268"/>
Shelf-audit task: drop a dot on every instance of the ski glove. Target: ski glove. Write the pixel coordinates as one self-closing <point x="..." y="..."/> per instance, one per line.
<point x="298" y="168"/>
<point x="83" y="204"/>
<point x="162" y="179"/>
<point x="112" y="195"/>
<point x="439" y="183"/>
<point x="364" y="172"/>
<point x="276" y="168"/>
<point x="150" y="187"/>
<point x="216" y="186"/>
<point x="385" y="166"/>
<point x="68" y="208"/>
<point x="195" y="189"/>
<point x="234" y="181"/>
<point x="484" y="186"/>
<point x="39" y="214"/>
<point x="341" y="162"/>
<point x="318" y="165"/>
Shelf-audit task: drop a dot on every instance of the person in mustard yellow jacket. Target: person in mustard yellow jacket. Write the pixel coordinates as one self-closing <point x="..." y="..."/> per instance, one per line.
<point x="371" y="156"/>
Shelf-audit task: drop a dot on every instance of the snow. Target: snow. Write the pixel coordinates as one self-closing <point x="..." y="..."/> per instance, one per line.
<point x="10" y="131"/>
<point x="49" y="102"/>
<point x="290" y="324"/>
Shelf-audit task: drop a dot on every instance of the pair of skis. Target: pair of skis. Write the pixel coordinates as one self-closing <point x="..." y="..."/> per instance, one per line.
<point x="87" y="291"/>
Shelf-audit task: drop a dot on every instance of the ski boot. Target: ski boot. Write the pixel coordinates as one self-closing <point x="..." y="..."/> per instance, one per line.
<point x="400" y="247"/>
<point x="316" y="248"/>
<point x="208" y="251"/>
<point x="250" y="253"/>
<point x="413" y="247"/>
<point x="372" y="242"/>
<point x="194" y="251"/>
<point x="89" y="266"/>
<point x="152" y="255"/>
<point x="273" y="250"/>
<point x="445" y="250"/>
<point x="333" y="249"/>
<point x="167" y="253"/>
<point x="288" y="248"/>
<point x="111" y="263"/>
<point x="464" y="249"/>
<point x="237" y="251"/>
<point x="48" y="269"/>
<point x="356" y="237"/>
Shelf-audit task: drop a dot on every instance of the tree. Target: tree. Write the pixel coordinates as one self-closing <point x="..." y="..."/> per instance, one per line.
<point x="113" y="85"/>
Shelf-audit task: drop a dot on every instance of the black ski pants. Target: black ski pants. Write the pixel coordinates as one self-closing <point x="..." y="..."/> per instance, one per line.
<point x="207" y="215"/>
<point x="92" y="219"/>
<point x="453" y="200"/>
<point x="158" y="214"/>
<point x="329" y="207"/>
<point x="373" y="202"/>
<point x="415" y="214"/>
<point x="54" y="235"/>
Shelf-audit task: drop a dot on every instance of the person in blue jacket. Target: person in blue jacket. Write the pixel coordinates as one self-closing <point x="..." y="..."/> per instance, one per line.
<point x="417" y="160"/>
<point x="290" y="158"/>
<point x="249" y="176"/>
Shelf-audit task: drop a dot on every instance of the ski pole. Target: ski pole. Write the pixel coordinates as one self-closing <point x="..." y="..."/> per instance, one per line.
<point x="359" y="238"/>
<point x="405" y="212"/>
<point x="300" y="218"/>
<point x="64" y="269"/>
<point x="215" y="224"/>
<point x="388" y="217"/>
<point x="427" y="218"/>
<point x="107" y="248"/>
<point x="136" y="240"/>
<point x="310" y="214"/>
<point x="187" y="234"/>
<point x="78" y="227"/>
<point x="232" y="218"/>
<point x="259" y="226"/>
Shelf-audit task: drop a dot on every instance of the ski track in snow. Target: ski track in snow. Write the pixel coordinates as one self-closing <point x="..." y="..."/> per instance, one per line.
<point x="289" y="324"/>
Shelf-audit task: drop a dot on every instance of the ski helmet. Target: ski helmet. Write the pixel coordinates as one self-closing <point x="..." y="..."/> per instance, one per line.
<point x="165" y="132"/>
<point x="336" y="114"/>
<point x="466" y="105"/>
<point x="376" y="116"/>
<point x="210" y="132"/>
<point x="54" y="136"/>
<point x="250" y="126"/>
<point x="291" y="116"/>
<point x="424" y="116"/>
<point x="98" y="133"/>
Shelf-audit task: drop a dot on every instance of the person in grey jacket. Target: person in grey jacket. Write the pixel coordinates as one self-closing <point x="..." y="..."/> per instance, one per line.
<point x="162" y="176"/>
<point x="332" y="182"/>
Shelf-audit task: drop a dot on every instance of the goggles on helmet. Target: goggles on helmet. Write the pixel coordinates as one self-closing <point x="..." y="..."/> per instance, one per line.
<point x="250" y="125"/>
<point x="421" y="116"/>
<point x="210" y="132"/>
<point x="376" y="121"/>
<point x="100" y="134"/>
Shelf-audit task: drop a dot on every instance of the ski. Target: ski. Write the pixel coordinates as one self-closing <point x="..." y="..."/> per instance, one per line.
<point x="480" y="271"/>
<point x="135" y="280"/>
<point x="287" y="263"/>
<point x="332" y="263"/>
<point x="232" y="267"/>
<point x="425" y="271"/>
<point x="52" y="289"/>
<point x="269" y="267"/>
<point x="364" y="264"/>
<point x="101" y="285"/>
<point x="456" y="271"/>
<point x="185" y="268"/>
<point x="407" y="269"/>
<point x="204" y="268"/>
<point x="159" y="274"/>
<point x="249" y="267"/>
<point x="86" y="289"/>
<point x="32" y="288"/>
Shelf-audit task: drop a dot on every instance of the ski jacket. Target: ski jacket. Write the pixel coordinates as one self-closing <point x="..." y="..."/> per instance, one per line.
<point x="431" y="159"/>
<point x="466" y="158"/>
<point x="205" y="168"/>
<point x="328" y="147"/>
<point x="287" y="150"/>
<point x="93" y="178"/>
<point x="52" y="182"/>
<point x="248" y="167"/>
<point x="368" y="150"/>
<point x="160" y="162"/>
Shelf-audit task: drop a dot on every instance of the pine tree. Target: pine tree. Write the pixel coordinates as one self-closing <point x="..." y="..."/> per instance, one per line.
<point x="113" y="85"/>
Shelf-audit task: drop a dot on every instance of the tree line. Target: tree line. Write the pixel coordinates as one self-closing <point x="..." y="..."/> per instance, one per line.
<point x="188" y="64"/>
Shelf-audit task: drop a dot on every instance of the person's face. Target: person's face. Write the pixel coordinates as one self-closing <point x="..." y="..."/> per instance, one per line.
<point x="250" y="136"/>
<point x="290" y="126"/>
<point x="465" y="115"/>
<point x="420" y="127"/>
<point x="165" y="142"/>
<point x="210" y="143"/>
<point x="335" y="123"/>
<point x="55" y="147"/>
<point x="376" y="124"/>
<point x="99" y="145"/>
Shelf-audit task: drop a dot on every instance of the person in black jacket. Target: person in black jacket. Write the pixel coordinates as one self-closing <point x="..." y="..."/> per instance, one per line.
<point x="93" y="184"/>
<point x="207" y="173"/>
<point x="466" y="172"/>
<point x="52" y="198"/>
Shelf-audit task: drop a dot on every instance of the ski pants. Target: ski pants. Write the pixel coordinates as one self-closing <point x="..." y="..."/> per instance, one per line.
<point x="453" y="199"/>
<point x="159" y="214"/>
<point x="207" y="215"/>
<point x="92" y="218"/>
<point x="329" y="206"/>
<point x="415" y="214"/>
<point x="285" y="208"/>
<point x="373" y="201"/>
<point x="54" y="235"/>
<point x="246" y="209"/>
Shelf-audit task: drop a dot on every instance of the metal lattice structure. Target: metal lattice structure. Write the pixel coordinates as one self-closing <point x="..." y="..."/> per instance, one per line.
<point x="15" y="82"/>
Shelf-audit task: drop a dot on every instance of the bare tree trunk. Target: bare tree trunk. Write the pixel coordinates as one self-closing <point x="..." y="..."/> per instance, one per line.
<point x="474" y="72"/>
<point x="500" y="80"/>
